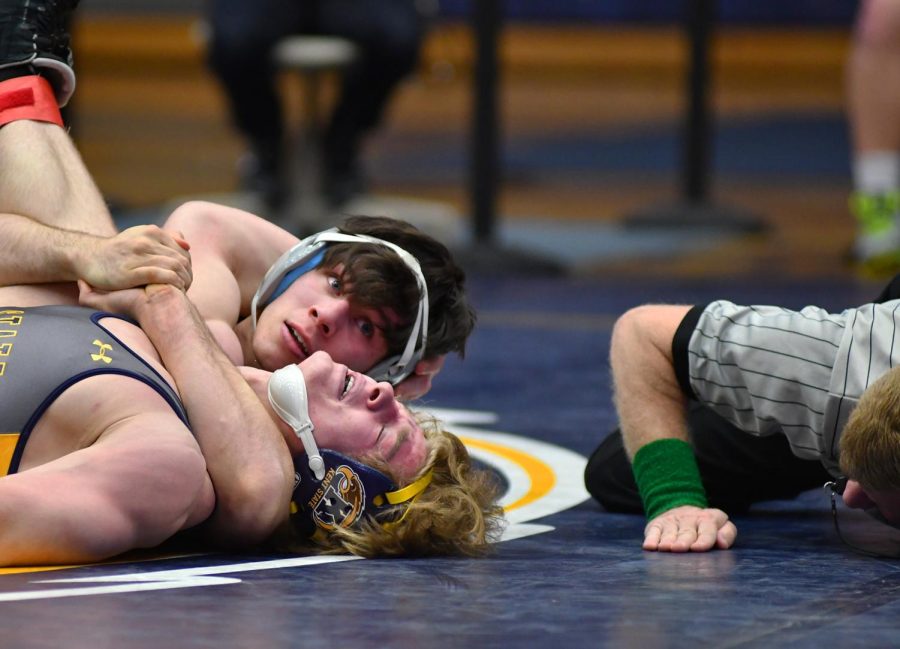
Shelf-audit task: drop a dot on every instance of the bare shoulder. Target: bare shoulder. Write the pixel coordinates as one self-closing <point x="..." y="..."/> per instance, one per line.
<point x="228" y="228"/>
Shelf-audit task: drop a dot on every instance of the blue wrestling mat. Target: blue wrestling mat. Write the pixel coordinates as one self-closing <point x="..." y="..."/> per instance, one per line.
<point x="531" y="400"/>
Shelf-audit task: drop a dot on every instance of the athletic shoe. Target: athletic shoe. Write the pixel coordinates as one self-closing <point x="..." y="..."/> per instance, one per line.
<point x="34" y="35"/>
<point x="877" y="245"/>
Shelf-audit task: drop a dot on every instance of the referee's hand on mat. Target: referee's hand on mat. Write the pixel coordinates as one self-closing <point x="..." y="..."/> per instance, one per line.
<point x="689" y="529"/>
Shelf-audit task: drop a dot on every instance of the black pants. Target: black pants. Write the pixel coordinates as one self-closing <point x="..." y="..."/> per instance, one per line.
<point x="737" y="469"/>
<point x="388" y="33"/>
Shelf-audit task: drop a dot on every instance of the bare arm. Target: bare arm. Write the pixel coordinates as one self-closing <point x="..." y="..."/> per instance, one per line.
<point x="56" y="226"/>
<point x="246" y="455"/>
<point x="231" y="251"/>
<point x="651" y="407"/>
<point x="35" y="253"/>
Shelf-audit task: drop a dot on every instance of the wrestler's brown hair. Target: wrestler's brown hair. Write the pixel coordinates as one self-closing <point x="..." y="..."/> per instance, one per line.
<point x="376" y="277"/>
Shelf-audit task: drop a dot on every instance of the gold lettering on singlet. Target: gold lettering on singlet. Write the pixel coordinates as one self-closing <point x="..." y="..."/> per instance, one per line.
<point x="101" y="356"/>
<point x="11" y="317"/>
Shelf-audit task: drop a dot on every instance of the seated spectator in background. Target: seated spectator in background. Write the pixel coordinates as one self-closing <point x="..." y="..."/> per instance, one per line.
<point x="388" y="35"/>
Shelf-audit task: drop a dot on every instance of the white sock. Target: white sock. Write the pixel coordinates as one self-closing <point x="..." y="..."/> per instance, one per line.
<point x="877" y="172"/>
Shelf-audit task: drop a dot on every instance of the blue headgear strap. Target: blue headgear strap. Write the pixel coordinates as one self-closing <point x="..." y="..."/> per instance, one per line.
<point x="290" y="277"/>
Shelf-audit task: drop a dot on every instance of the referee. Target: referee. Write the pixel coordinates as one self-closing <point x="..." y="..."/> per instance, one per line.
<point x="721" y="406"/>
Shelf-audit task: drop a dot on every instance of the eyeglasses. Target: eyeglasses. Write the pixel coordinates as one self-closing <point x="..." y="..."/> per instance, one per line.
<point x="836" y="488"/>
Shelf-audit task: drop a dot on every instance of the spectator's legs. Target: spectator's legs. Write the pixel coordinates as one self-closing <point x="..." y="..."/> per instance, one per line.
<point x="873" y="88"/>
<point x="389" y="35"/>
<point x="243" y="34"/>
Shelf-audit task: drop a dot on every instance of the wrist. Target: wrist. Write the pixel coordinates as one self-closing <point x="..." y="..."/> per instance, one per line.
<point x="79" y="252"/>
<point x="667" y="476"/>
<point x="160" y="304"/>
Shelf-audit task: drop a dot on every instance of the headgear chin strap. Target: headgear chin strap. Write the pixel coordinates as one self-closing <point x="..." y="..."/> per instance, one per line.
<point x="330" y="489"/>
<point x="308" y="254"/>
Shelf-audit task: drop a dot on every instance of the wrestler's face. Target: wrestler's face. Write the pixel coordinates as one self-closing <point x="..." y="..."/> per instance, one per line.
<point x="313" y="315"/>
<point x="359" y="417"/>
<point x="887" y="502"/>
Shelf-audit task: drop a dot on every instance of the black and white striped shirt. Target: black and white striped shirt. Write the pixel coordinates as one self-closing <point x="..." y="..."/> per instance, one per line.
<point x="772" y="370"/>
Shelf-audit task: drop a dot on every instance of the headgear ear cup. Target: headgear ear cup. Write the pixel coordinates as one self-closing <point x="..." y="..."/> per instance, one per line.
<point x="393" y="369"/>
<point x="287" y="394"/>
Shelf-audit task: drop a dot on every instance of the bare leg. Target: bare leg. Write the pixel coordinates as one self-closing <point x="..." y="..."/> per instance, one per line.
<point x="874" y="78"/>
<point x="56" y="226"/>
<point x="873" y="97"/>
<point x="43" y="177"/>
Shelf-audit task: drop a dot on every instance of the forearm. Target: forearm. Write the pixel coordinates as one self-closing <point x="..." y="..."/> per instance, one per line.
<point x="652" y="410"/>
<point x="34" y="253"/>
<point x="653" y="417"/>
<point x="246" y="455"/>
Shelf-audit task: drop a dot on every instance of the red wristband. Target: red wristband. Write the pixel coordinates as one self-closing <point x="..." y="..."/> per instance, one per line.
<point x="30" y="97"/>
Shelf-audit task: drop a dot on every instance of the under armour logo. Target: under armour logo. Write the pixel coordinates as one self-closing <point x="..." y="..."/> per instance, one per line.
<point x="101" y="356"/>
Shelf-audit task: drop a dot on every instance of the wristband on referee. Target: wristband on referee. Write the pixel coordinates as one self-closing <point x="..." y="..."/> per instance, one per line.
<point x="667" y="476"/>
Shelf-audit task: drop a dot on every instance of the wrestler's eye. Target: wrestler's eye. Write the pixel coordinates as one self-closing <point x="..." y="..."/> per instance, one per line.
<point x="335" y="283"/>
<point x="366" y="327"/>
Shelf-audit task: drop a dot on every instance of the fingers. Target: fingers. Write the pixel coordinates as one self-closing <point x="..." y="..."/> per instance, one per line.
<point x="676" y="536"/>
<point x="652" y="535"/>
<point x="176" y="276"/>
<point x="144" y="254"/>
<point x="707" y="534"/>
<point x="689" y="529"/>
<point x="726" y="536"/>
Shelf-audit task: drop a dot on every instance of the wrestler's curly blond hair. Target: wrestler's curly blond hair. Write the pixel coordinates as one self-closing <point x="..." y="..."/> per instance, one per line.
<point x="456" y="514"/>
<point x="870" y="442"/>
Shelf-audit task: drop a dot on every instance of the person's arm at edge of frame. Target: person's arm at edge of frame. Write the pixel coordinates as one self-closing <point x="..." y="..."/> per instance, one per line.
<point x="651" y="408"/>
<point x="33" y="253"/>
<point x="246" y="455"/>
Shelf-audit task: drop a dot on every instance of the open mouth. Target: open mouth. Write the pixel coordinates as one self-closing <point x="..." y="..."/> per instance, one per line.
<point x="349" y="380"/>
<point x="300" y="343"/>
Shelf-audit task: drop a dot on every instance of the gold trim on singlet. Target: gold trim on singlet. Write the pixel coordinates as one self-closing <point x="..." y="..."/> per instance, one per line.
<point x="8" y="442"/>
